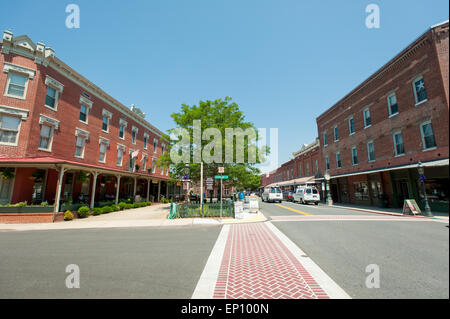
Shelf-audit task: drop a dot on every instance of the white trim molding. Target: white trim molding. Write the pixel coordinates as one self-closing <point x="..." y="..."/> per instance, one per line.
<point x="55" y="84"/>
<point x="19" y="69"/>
<point x="82" y="133"/>
<point x="44" y="119"/>
<point x="14" y="111"/>
<point x="86" y="102"/>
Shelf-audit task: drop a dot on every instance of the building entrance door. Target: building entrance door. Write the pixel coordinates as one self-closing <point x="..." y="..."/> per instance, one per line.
<point x="402" y="191"/>
<point x="6" y="186"/>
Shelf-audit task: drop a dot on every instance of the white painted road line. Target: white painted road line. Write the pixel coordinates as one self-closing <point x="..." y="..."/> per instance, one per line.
<point x="333" y="290"/>
<point x="207" y="282"/>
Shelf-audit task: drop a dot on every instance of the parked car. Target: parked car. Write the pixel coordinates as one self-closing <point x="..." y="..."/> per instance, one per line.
<point x="272" y="194"/>
<point x="288" y="196"/>
<point x="305" y="195"/>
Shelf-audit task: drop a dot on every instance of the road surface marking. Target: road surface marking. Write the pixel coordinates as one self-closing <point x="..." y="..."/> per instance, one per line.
<point x="292" y="209"/>
<point x="345" y="218"/>
<point x="206" y="283"/>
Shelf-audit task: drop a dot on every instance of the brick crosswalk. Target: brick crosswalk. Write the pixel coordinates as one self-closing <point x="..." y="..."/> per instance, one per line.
<point x="256" y="264"/>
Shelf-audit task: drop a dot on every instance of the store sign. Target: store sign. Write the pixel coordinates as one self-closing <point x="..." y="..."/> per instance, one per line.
<point x="410" y="205"/>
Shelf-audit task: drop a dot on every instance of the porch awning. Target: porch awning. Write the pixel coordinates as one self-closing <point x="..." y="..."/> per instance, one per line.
<point x="292" y="182"/>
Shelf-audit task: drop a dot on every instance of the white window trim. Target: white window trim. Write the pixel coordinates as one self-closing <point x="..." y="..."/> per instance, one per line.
<point x="368" y="152"/>
<point x="420" y="77"/>
<point x="154" y="159"/>
<point x="349" y="127"/>
<point x="123" y="123"/>
<point x="104" y="141"/>
<point x="85" y="135"/>
<point x="389" y="104"/>
<point x="338" y="153"/>
<point x="16" y="143"/>
<point x="144" y="161"/>
<point x="146" y="137"/>
<point x="108" y="115"/>
<point x="353" y="163"/>
<point x="50" y="143"/>
<point x="422" y="135"/>
<point x="323" y="137"/>
<point x="135" y="130"/>
<point x="88" y="104"/>
<point x="395" y="145"/>
<point x="163" y="148"/>
<point x="123" y="148"/>
<point x="25" y="90"/>
<point x="327" y="163"/>
<point x="155" y="145"/>
<point x="364" y="118"/>
<point x="334" y="133"/>
<point x="58" y="87"/>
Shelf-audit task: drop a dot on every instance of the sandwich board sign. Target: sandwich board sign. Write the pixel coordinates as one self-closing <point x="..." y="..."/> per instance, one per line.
<point x="410" y="205"/>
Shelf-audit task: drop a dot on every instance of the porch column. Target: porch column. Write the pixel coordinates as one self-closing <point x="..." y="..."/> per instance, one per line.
<point x="134" y="189"/>
<point x="167" y="190"/>
<point x="117" y="188"/>
<point x="159" y="190"/>
<point x="61" y="172"/>
<point x="94" y="186"/>
<point x="148" y="189"/>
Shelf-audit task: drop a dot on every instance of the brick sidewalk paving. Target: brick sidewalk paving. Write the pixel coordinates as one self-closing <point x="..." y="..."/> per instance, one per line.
<point x="256" y="264"/>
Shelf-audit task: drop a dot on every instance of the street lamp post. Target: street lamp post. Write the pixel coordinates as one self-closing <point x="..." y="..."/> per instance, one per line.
<point x="422" y="178"/>
<point x="186" y="178"/>
<point x="327" y="179"/>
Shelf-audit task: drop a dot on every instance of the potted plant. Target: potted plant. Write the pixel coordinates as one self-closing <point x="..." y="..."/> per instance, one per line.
<point x="7" y="173"/>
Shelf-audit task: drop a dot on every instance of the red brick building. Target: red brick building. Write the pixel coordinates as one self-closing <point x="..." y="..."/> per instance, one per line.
<point x="64" y="140"/>
<point x="304" y="168"/>
<point x="374" y="137"/>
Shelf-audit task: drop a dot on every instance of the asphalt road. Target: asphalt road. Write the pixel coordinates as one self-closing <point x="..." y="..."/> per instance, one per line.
<point x="413" y="256"/>
<point x="114" y="263"/>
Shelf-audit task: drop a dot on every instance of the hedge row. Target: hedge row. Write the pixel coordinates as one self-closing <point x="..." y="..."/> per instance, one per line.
<point x="85" y="211"/>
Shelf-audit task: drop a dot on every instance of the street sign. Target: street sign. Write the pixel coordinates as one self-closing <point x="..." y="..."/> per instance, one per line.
<point x="221" y="177"/>
<point x="209" y="183"/>
<point x="221" y="170"/>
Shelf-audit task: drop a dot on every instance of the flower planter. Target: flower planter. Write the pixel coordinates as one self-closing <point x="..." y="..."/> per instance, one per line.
<point x="27" y="209"/>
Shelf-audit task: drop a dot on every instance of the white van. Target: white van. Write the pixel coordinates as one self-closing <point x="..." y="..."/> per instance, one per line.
<point x="307" y="194"/>
<point x="272" y="194"/>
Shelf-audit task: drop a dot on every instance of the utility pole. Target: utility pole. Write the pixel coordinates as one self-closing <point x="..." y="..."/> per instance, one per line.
<point x="201" y="187"/>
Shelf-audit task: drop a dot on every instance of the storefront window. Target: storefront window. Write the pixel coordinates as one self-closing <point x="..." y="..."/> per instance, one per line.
<point x="361" y="191"/>
<point x="437" y="190"/>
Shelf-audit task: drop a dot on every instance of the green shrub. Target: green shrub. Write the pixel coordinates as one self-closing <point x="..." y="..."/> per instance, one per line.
<point x="115" y="208"/>
<point x="44" y="203"/>
<point x="68" y="215"/>
<point x="21" y="204"/>
<point x="135" y="205"/>
<point x="122" y="205"/>
<point x="106" y="209"/>
<point x="97" y="211"/>
<point x="149" y="203"/>
<point x="83" y="212"/>
<point x="128" y="206"/>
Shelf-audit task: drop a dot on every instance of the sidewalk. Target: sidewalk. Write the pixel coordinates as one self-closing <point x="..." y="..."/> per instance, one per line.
<point x="150" y="216"/>
<point x="385" y="211"/>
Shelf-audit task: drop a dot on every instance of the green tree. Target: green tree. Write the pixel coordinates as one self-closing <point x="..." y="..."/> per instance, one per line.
<point x="220" y="114"/>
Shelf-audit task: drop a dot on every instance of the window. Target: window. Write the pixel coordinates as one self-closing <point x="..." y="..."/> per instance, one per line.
<point x="338" y="160"/>
<point x="420" y="94"/>
<point x="354" y="156"/>
<point x="83" y="113"/>
<point x="370" y="151"/>
<point x="367" y="120"/>
<point x="155" y="143"/>
<point x="9" y="129"/>
<point x="317" y="166"/>
<point x="102" y="153"/>
<point x="163" y="148"/>
<point x="120" y="151"/>
<point x="336" y="134"/>
<point x="398" y="144"/>
<point x="144" y="162"/>
<point x="17" y="85"/>
<point x="153" y="165"/>
<point x="300" y="170"/>
<point x="392" y="104"/>
<point x="121" y="131"/>
<point x="325" y="139"/>
<point x="327" y="163"/>
<point x="50" y="98"/>
<point x="351" y="126"/>
<point x="133" y="137"/>
<point x="45" y="141"/>
<point x="307" y="169"/>
<point x="361" y="191"/>
<point x="105" y="124"/>
<point x="145" y="141"/>
<point x="79" y="147"/>
<point x="132" y="162"/>
<point x="428" y="140"/>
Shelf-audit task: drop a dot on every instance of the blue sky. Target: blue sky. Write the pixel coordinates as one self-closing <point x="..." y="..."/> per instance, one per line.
<point x="284" y="62"/>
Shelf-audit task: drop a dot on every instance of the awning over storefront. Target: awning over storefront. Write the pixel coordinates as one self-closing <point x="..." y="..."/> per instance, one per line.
<point x="293" y="182"/>
<point x="437" y="163"/>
